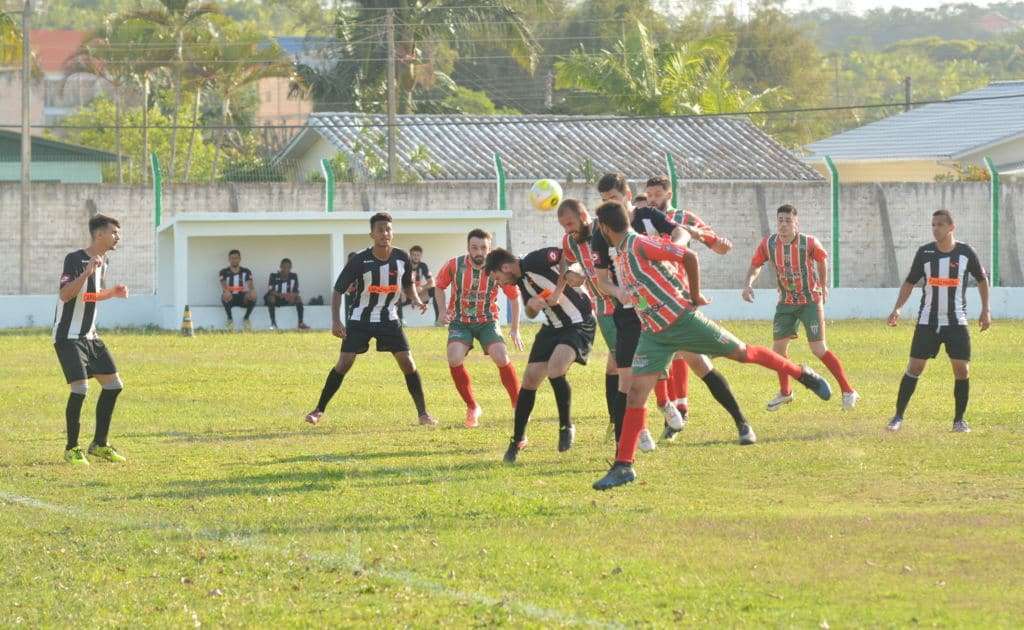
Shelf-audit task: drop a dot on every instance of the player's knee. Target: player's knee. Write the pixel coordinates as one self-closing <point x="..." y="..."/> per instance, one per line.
<point x="819" y="349"/>
<point x="114" y="383"/>
<point x="499" y="355"/>
<point x="80" y="387"/>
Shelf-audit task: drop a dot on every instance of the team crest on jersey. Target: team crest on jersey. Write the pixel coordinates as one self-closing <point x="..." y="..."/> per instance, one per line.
<point x="553" y="255"/>
<point x="640" y="360"/>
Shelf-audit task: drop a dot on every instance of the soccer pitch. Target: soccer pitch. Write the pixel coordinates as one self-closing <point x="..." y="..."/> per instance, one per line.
<point x="231" y="511"/>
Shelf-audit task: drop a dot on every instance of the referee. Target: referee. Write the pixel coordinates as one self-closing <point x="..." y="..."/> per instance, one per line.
<point x="942" y="317"/>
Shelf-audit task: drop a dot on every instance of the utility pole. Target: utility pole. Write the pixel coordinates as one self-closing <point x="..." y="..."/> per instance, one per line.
<point x="906" y="94"/>
<point x="549" y="88"/>
<point x="26" y="144"/>
<point x="389" y="25"/>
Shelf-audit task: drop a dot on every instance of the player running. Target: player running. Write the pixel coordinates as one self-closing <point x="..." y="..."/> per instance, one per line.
<point x="472" y="313"/>
<point x="801" y="267"/>
<point x="670" y="323"/>
<point x="379" y="273"/>
<point x="942" y="316"/>
<point x="80" y="351"/>
<point x="566" y="336"/>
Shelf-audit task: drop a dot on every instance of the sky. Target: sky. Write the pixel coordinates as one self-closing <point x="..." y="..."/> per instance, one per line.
<point x="860" y="6"/>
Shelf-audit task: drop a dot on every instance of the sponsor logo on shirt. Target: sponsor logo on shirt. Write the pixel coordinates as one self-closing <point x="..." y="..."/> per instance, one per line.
<point x="943" y="282"/>
<point x="383" y="289"/>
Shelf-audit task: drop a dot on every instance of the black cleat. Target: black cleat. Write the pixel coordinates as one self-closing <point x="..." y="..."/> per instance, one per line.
<point x="747" y="435"/>
<point x="566" y="436"/>
<point x="961" y="426"/>
<point x="669" y="434"/>
<point x="513" y="451"/>
<point x="815" y="383"/>
<point x="619" y="475"/>
<point x="895" y="424"/>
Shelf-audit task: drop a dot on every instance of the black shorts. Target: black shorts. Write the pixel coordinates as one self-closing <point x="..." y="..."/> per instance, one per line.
<point x="927" y="340"/>
<point x="390" y="337"/>
<point x="81" y="359"/>
<point x="579" y="337"/>
<point x="277" y="301"/>
<point x="237" y="299"/>
<point x="627" y="329"/>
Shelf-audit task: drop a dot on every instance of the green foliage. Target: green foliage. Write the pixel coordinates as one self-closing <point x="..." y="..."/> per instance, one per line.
<point x="965" y="173"/>
<point x="466" y="101"/>
<point x="366" y="162"/>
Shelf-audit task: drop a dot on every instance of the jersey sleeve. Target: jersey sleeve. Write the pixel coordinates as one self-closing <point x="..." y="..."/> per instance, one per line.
<point x="511" y="290"/>
<point x="567" y="250"/>
<point x="295" y="277"/>
<point x="600" y="247"/>
<point x="541" y="260"/>
<point x="661" y="222"/>
<point x="246" y="274"/>
<point x="916" y="268"/>
<point x="224" y="273"/>
<point x="974" y="266"/>
<point x="270" y="281"/>
<point x="71" y="270"/>
<point x="653" y="249"/>
<point x="816" y="251"/>
<point x="446" y="275"/>
<point x="407" y="276"/>
<point x="760" y="254"/>
<point x="424" y="271"/>
<point x="348" y="275"/>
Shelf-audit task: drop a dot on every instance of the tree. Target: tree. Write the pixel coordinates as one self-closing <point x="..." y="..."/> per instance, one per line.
<point x="10" y="40"/>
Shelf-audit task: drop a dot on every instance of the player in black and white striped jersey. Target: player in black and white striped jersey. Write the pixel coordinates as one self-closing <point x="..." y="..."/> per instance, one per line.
<point x="284" y="291"/>
<point x="380" y="274"/>
<point x="566" y="336"/>
<point x="238" y="289"/>
<point x="81" y="353"/>
<point x="942" y="317"/>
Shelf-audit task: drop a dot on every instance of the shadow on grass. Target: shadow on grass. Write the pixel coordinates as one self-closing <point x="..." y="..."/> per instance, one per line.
<point x="768" y="439"/>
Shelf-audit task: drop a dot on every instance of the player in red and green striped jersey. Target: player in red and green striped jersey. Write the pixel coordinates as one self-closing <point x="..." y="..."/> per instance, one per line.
<point x="472" y="313"/>
<point x="667" y="309"/>
<point x="801" y="268"/>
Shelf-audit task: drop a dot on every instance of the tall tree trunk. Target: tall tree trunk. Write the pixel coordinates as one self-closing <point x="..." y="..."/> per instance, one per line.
<point x="171" y="168"/>
<point x="145" y="129"/>
<point x="192" y="134"/>
<point x="117" y="132"/>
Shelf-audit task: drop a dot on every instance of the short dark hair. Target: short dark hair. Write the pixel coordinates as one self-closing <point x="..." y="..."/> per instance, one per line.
<point x="478" y="233"/>
<point x="571" y="205"/>
<point x="659" y="180"/>
<point x="233" y="252"/>
<point x="416" y="248"/>
<point x="613" y="215"/>
<point x="613" y="181"/>
<point x="639" y="199"/>
<point x="286" y="260"/>
<point x="946" y="214"/>
<point x="377" y="218"/>
<point x="101" y="221"/>
<point x="786" y="209"/>
<point x="496" y="258"/>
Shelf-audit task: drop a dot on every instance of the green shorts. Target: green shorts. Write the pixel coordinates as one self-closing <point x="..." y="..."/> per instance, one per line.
<point x="789" y="316"/>
<point x="692" y="332"/>
<point x="607" y="325"/>
<point x="487" y="334"/>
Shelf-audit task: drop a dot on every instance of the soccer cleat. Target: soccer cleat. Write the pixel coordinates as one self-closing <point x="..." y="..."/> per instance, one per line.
<point x="669" y="434"/>
<point x="673" y="418"/>
<point x="815" y="383"/>
<point x="647" y="443"/>
<point x="566" y="436"/>
<point x="780" y="399"/>
<point x="894" y="424"/>
<point x="850" y="400"/>
<point x="513" y="451"/>
<point x="473" y="417"/>
<point x="427" y="420"/>
<point x="107" y="453"/>
<point x="313" y="417"/>
<point x="76" y="457"/>
<point x="747" y="435"/>
<point x="619" y="475"/>
<point x="272" y="327"/>
<point x="246" y="325"/>
<point x="229" y="325"/>
<point x="960" y="426"/>
<point x="303" y="326"/>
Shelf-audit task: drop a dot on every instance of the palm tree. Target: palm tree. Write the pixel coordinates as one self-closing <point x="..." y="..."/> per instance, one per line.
<point x="358" y="74"/>
<point x="10" y="40"/>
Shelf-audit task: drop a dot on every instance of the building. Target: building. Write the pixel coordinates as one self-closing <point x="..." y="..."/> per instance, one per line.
<point x="52" y="161"/>
<point x="277" y="106"/>
<point x="568" y="148"/>
<point x="933" y="140"/>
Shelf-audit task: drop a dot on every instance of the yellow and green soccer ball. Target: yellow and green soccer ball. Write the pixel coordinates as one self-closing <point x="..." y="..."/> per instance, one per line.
<point x="545" y="195"/>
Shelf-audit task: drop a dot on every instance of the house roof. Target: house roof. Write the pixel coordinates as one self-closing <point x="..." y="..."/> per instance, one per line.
<point x="313" y="51"/>
<point x="47" y="150"/>
<point x="53" y="47"/>
<point x="948" y="130"/>
<point x="462" y="147"/>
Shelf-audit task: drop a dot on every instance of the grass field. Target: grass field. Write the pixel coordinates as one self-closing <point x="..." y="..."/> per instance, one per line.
<point x="233" y="512"/>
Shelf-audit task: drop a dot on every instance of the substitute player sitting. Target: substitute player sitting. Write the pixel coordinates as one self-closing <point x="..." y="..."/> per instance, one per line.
<point x="380" y="273"/>
<point x="801" y="268"/>
<point x="473" y="315"/>
<point x="284" y="291"/>
<point x="237" y="289"/>
<point x="565" y="337"/>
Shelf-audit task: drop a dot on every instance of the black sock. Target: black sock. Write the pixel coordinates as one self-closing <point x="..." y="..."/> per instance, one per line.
<point x="723" y="394"/>
<point x="907" y="386"/>
<point x="104" y="412"/>
<point x="331" y="386"/>
<point x="563" y="400"/>
<point x="524" y="407"/>
<point x="433" y="301"/>
<point x="415" y="386"/>
<point x="271" y="313"/>
<point x="73" y="418"/>
<point x="620" y="414"/>
<point x="248" y="309"/>
<point x="227" y="308"/>
<point x="611" y="389"/>
<point x="961" y="392"/>
<point x="299" y="310"/>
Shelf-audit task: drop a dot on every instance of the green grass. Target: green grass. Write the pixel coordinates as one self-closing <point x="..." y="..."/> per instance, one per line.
<point x="232" y="512"/>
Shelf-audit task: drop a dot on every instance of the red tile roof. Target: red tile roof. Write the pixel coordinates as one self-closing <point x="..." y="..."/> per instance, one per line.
<point x="54" y="47"/>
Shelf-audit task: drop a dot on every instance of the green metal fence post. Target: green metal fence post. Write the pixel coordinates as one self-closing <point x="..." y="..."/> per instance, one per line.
<point x="995" y="201"/>
<point x="834" y="183"/>
<point x="158" y="190"/>
<point x="670" y="164"/>
<point x="499" y="174"/>
<point x="328" y="172"/>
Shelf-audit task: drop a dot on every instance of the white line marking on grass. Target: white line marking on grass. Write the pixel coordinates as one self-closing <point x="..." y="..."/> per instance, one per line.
<point x="351" y="561"/>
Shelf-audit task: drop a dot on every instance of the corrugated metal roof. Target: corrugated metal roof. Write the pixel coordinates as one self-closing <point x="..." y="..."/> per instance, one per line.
<point x="941" y="130"/>
<point x="537" y="146"/>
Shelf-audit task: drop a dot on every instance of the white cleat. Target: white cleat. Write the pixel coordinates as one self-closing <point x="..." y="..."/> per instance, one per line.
<point x="850" y="400"/>
<point x="647" y="441"/>
<point x="673" y="418"/>
<point x="781" y="399"/>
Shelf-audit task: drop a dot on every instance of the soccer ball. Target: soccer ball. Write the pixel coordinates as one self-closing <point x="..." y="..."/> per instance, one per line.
<point x="545" y="195"/>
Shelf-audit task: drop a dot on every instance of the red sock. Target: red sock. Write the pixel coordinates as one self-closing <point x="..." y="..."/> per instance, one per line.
<point x="661" y="392"/>
<point x="632" y="425"/>
<point x="835" y="366"/>
<point x="510" y="381"/>
<point x="680" y="381"/>
<point x="461" y="378"/>
<point x="784" y="387"/>
<point x="772" y="361"/>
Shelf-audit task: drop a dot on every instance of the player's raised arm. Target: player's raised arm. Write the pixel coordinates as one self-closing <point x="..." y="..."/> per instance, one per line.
<point x="72" y="286"/>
